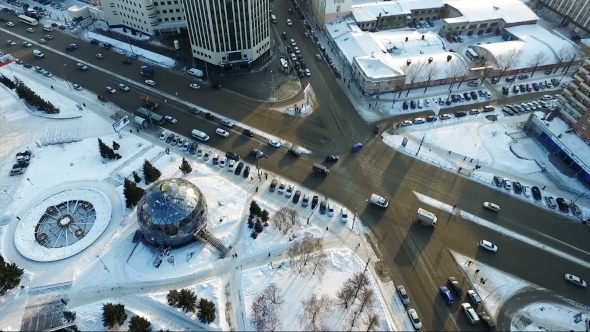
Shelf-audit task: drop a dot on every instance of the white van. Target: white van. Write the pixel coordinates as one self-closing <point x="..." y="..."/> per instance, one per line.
<point x="378" y="200"/>
<point x="199" y="135"/>
<point x="470" y="313"/>
<point x="195" y="72"/>
<point x="273" y="18"/>
<point x="48" y="27"/>
<point x="284" y="63"/>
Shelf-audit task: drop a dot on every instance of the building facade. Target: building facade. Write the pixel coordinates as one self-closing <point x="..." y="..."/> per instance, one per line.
<point x="575" y="14"/>
<point x="574" y="102"/>
<point x="229" y="34"/>
<point x="394" y="14"/>
<point x="324" y="11"/>
<point x="146" y="16"/>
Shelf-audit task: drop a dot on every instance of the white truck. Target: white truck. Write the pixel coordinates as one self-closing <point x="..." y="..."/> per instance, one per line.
<point x="426" y="218"/>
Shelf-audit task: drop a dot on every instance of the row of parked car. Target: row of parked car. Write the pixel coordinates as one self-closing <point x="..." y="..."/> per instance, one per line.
<point x="526" y="191"/>
<point x="445" y="116"/>
<point x="453" y="98"/>
<point x="513" y="109"/>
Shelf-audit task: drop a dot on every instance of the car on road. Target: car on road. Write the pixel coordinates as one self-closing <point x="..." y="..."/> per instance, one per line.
<point x="38" y="53"/>
<point x="232" y="156"/>
<point x="221" y="132"/>
<point x="293" y="43"/>
<point x="307" y="72"/>
<point x="100" y="56"/>
<point x="72" y="47"/>
<point x="127" y="61"/>
<point x="10" y="24"/>
<point x="446" y="295"/>
<point x="30" y="30"/>
<point x="227" y="123"/>
<point x="121" y="52"/>
<point x="274" y="143"/>
<point x="123" y="87"/>
<point x="487" y="322"/>
<point x="413" y="315"/>
<point x="575" y="280"/>
<point x="10" y="42"/>
<point x="77" y="87"/>
<point x="42" y="41"/>
<point x="455" y="286"/>
<point x="194" y="86"/>
<point x="318" y="56"/>
<point x="110" y="89"/>
<point x="289" y="22"/>
<point x="356" y="147"/>
<point x="536" y="193"/>
<point x="294" y="152"/>
<point x="488" y="245"/>
<point x="102" y="98"/>
<point x="491" y="206"/>
<point x="170" y="119"/>
<point x="94" y="42"/>
<point x="475" y="298"/>
<point x="150" y="82"/>
<point x="403" y="294"/>
<point x="27" y="44"/>
<point x="81" y="66"/>
<point x="332" y="158"/>
<point x="406" y="123"/>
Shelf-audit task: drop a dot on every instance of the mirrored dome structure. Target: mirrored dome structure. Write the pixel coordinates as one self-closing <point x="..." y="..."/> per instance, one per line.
<point x="171" y="212"/>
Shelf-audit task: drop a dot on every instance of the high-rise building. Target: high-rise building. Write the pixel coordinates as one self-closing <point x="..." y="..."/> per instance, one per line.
<point x="574" y="102"/>
<point x="575" y="14"/>
<point x="146" y="16"/>
<point x="228" y="33"/>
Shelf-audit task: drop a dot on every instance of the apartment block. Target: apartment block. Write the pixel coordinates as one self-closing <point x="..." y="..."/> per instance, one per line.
<point x="574" y="102"/>
<point x="575" y="14"/>
<point x="147" y="16"/>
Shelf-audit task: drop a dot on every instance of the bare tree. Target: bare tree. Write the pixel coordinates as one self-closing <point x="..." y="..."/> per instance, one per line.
<point x="455" y="70"/>
<point x="430" y="72"/>
<point x="265" y="314"/>
<point x="318" y="263"/>
<point x="302" y="251"/>
<point x="488" y="67"/>
<point x="366" y="301"/>
<point x="413" y="72"/>
<point x="509" y="59"/>
<point x="569" y="54"/>
<point x="536" y="60"/>
<point x="272" y="293"/>
<point x="281" y="219"/>
<point x="359" y="281"/>
<point x="345" y="294"/>
<point x="372" y="322"/>
<point x="293" y="216"/>
<point x="314" y="311"/>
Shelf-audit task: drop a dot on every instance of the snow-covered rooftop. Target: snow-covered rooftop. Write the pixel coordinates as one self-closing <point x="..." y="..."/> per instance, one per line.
<point x="406" y="4"/>
<point x="395" y="42"/>
<point x="371" y="11"/>
<point x="378" y="66"/>
<point x="511" y="11"/>
<point x="533" y="40"/>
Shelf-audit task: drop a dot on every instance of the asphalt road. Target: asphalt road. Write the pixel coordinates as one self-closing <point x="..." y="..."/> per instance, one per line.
<point x="418" y="256"/>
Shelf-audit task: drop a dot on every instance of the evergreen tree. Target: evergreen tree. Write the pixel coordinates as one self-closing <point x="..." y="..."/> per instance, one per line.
<point x="185" y="167"/>
<point x="254" y="208"/>
<point x="103" y="149"/>
<point x="8" y="82"/>
<point x="188" y="300"/>
<point x="258" y="226"/>
<point x="250" y="221"/>
<point x="264" y="216"/>
<point x="139" y="324"/>
<point x="10" y="276"/>
<point x="69" y="316"/>
<point x="116" y="146"/>
<point x="206" y="311"/>
<point x="173" y="298"/>
<point x="150" y="173"/>
<point x="132" y="193"/>
<point x="113" y="315"/>
<point x="136" y="177"/>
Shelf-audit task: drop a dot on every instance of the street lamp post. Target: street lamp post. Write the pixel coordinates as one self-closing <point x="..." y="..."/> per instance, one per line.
<point x="7" y="194"/>
<point x="64" y="75"/>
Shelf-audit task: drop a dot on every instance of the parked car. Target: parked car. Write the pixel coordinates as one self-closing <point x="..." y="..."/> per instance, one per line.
<point x="517" y="187"/>
<point x="455" y="286"/>
<point x="403" y="294"/>
<point x="550" y="202"/>
<point x="536" y="193"/>
<point x="416" y="322"/>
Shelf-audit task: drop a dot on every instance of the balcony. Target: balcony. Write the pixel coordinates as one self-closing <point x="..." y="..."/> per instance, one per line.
<point x="585" y="69"/>
<point x="583" y="97"/>
<point x="569" y="117"/>
<point x="580" y="76"/>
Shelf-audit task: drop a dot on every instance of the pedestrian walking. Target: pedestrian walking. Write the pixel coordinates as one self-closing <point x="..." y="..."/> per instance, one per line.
<point x="256" y="189"/>
<point x="269" y="254"/>
<point x="137" y="129"/>
<point x="326" y="227"/>
<point x="544" y="187"/>
<point x="449" y="152"/>
<point x="464" y="158"/>
<point x="469" y="263"/>
<point x="131" y="131"/>
<point x="477" y="271"/>
<point x="454" y="206"/>
<point x="471" y="160"/>
<point x="83" y="104"/>
<point x="265" y="176"/>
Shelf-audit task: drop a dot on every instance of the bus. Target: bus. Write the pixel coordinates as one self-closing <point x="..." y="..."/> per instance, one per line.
<point x="470" y="53"/>
<point x="28" y="20"/>
<point x="150" y="116"/>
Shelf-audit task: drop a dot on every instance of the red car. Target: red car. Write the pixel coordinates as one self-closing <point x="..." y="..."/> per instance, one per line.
<point x="102" y="98"/>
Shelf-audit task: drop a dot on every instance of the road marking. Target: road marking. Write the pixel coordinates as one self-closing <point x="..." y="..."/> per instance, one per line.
<point x="482" y="222"/>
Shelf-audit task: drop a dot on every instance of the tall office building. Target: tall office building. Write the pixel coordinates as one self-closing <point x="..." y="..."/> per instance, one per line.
<point x="575" y="14"/>
<point x="228" y="33"/>
<point x="146" y="16"/>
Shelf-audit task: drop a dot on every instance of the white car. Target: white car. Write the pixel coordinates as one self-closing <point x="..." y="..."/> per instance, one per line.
<point x="344" y="215"/>
<point x="488" y="95"/>
<point x="444" y="116"/>
<point x="11" y="43"/>
<point x="230" y="165"/>
<point x="293" y="43"/>
<point x="406" y="123"/>
<point x="221" y="132"/>
<point x="181" y="143"/>
<point x="195" y="86"/>
<point x="488" y="245"/>
<point x="491" y="206"/>
<point x="27" y="44"/>
<point x="274" y="144"/>
<point x="297" y="50"/>
<point x="123" y="87"/>
<point x="289" y="22"/>
<point x="82" y="66"/>
<point x="163" y="135"/>
<point x="121" y="52"/>
<point x="111" y="89"/>
<point x="47" y="74"/>
<point x="419" y="120"/>
<point x="526" y="191"/>
<point x="30" y="30"/>
<point x="10" y="24"/>
<point x="318" y="56"/>
<point x="222" y="162"/>
<point x="307" y="72"/>
<point x="150" y="82"/>
<point x="403" y="294"/>
<point x="507" y="184"/>
<point x="48" y="37"/>
<point x="77" y="87"/>
<point x="42" y="41"/>
<point x="575" y="280"/>
<point x="414" y="318"/>
<point x="100" y="56"/>
<point x="170" y="119"/>
<point x="289" y="191"/>
<point x="281" y="189"/>
<point x="38" y="53"/>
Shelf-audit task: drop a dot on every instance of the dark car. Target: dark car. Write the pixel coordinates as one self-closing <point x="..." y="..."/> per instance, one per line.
<point x="405" y="105"/>
<point x="127" y="61"/>
<point x="455" y="286"/>
<point x="356" y="147"/>
<point x="466" y="96"/>
<point x="248" y="132"/>
<point x="239" y="168"/>
<point x="246" y="171"/>
<point x="473" y="95"/>
<point x="232" y="156"/>
<point x="507" y="110"/>
<point x="314" y="202"/>
<point x="193" y="148"/>
<point x="107" y="46"/>
<point x="523" y="77"/>
<point x="94" y="42"/>
<point x="522" y="88"/>
<point x="169" y="138"/>
<point x="562" y="204"/>
<point x="296" y="196"/>
<point x="332" y="158"/>
<point x="487" y="322"/>
<point x="536" y="87"/>
<point x="515" y="89"/>
<point x="323" y="207"/>
<point x="505" y="91"/>
<point x="431" y="118"/>
<point x="412" y="104"/>
<point x="536" y="193"/>
<point x="294" y="152"/>
<point x="517" y="187"/>
<point x="446" y="295"/>
<point x="460" y="114"/>
<point x="102" y="98"/>
<point x="498" y="181"/>
<point x="509" y="79"/>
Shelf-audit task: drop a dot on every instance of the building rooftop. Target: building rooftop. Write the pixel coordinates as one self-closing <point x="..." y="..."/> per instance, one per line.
<point x="511" y="11"/>
<point x="378" y="66"/>
<point x="406" y="4"/>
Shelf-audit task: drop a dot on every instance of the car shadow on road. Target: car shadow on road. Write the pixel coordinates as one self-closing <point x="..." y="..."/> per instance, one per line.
<point x="415" y="241"/>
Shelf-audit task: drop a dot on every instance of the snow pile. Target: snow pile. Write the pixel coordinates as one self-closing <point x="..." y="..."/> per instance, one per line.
<point x="549" y="317"/>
